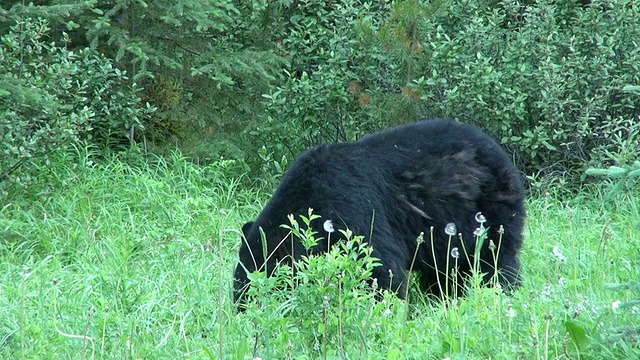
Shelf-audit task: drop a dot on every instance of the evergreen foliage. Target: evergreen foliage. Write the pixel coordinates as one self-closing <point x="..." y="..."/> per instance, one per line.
<point x="199" y="61"/>
<point x="52" y="97"/>
<point x="260" y="81"/>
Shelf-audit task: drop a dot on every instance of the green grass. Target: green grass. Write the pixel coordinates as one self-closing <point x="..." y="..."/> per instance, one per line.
<point x="106" y="260"/>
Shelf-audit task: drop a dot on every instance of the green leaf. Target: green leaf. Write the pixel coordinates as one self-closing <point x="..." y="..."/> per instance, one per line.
<point x="577" y="334"/>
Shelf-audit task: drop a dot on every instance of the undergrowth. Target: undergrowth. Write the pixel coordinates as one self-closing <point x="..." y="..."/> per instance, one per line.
<point x="134" y="259"/>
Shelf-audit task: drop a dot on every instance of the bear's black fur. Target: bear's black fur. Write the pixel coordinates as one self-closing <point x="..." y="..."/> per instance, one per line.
<point x="389" y="187"/>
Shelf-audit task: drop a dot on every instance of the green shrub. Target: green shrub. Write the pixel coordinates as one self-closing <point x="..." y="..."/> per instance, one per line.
<point x="317" y="302"/>
<point x="546" y="77"/>
<point x="52" y="97"/>
<point x="332" y="79"/>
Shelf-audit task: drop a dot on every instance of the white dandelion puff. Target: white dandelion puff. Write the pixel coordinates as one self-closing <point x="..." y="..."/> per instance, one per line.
<point x="455" y="253"/>
<point x="558" y="254"/>
<point x="615" y="305"/>
<point x="328" y="226"/>
<point x="450" y="229"/>
<point x="478" y="231"/>
<point x="480" y="218"/>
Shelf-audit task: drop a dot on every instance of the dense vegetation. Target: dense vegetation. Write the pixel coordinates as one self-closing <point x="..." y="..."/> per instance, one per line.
<point x="136" y="138"/>
<point x="118" y="260"/>
<point x="262" y="80"/>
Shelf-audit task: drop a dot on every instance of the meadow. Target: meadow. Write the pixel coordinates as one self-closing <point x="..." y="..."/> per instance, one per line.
<point x="123" y="258"/>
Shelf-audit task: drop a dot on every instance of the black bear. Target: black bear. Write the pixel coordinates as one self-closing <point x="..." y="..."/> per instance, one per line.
<point x="438" y="177"/>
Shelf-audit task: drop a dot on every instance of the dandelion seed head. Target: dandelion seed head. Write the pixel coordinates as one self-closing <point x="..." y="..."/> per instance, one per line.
<point x="562" y="281"/>
<point x="477" y="231"/>
<point x="615" y="305"/>
<point x="558" y="254"/>
<point x="450" y="229"/>
<point x="455" y="253"/>
<point x="480" y="218"/>
<point x="328" y="226"/>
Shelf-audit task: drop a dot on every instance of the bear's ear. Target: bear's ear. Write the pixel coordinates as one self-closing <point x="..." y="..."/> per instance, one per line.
<point x="246" y="228"/>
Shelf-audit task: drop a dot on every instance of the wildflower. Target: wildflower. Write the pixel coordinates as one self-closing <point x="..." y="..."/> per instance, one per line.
<point x="455" y="253"/>
<point x="558" y="254"/>
<point x="450" y="229"/>
<point x="328" y="226"/>
<point x="480" y="218"/>
<point x="478" y="231"/>
<point x="510" y="311"/>
<point x="615" y="305"/>
<point x="562" y="281"/>
<point x="387" y="312"/>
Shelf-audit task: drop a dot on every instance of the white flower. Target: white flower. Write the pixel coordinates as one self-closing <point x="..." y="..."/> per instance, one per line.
<point x="478" y="231"/>
<point x="328" y="226"/>
<point x="450" y="229"/>
<point x="558" y="254"/>
<point x="615" y="305"/>
<point x="562" y="281"/>
<point x="480" y="218"/>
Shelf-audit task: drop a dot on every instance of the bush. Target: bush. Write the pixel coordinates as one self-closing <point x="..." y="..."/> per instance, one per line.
<point x="318" y="301"/>
<point x="546" y="77"/>
<point x="333" y="76"/>
<point x="51" y="98"/>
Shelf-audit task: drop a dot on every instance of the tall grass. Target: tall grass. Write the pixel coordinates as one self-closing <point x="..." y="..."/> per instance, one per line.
<point x="133" y="259"/>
